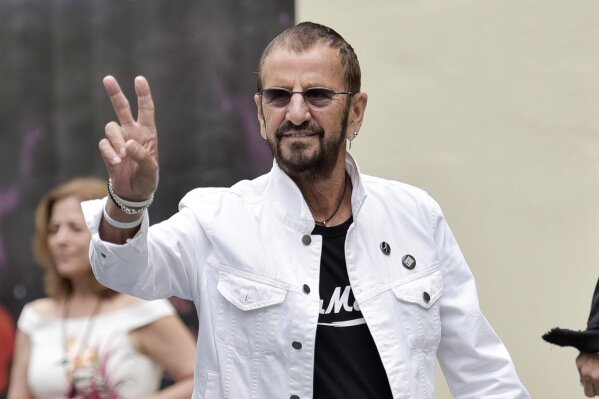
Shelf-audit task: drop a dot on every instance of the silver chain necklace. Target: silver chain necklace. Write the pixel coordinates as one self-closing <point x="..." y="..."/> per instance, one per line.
<point x="327" y="220"/>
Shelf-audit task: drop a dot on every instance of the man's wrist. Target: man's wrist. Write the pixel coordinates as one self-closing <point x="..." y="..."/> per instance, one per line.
<point x="122" y="225"/>
<point x="115" y="234"/>
<point x="128" y="207"/>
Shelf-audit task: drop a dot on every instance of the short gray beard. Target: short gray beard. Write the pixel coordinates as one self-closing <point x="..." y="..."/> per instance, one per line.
<point x="319" y="168"/>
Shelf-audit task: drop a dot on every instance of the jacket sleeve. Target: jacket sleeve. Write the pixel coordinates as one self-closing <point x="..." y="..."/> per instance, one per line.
<point x="158" y="262"/>
<point x="475" y="362"/>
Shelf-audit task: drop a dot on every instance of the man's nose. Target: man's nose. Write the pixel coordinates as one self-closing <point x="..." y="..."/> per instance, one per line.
<point x="297" y="110"/>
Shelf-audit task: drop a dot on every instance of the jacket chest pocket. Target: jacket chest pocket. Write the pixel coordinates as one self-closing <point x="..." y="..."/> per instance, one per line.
<point x="419" y="311"/>
<point x="249" y="313"/>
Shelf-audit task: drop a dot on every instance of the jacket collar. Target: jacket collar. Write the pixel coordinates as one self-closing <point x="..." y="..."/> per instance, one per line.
<point x="289" y="205"/>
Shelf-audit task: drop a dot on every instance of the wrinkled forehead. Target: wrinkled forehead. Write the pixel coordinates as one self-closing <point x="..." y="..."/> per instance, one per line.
<point x="317" y="65"/>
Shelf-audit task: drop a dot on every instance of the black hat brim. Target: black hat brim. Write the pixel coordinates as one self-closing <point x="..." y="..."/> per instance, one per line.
<point x="584" y="341"/>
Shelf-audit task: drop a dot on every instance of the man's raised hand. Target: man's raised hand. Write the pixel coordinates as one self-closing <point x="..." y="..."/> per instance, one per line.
<point x="130" y="148"/>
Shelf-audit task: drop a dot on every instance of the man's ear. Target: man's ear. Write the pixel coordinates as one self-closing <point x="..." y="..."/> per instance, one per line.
<point x="356" y="112"/>
<point x="260" y="112"/>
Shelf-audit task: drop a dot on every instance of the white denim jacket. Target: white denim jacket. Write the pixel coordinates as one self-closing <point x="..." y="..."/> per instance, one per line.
<point x="246" y="258"/>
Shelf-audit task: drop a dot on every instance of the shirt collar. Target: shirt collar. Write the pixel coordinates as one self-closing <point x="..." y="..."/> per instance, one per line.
<point x="288" y="202"/>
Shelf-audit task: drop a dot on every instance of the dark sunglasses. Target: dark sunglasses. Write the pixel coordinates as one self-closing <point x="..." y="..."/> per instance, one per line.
<point x="318" y="97"/>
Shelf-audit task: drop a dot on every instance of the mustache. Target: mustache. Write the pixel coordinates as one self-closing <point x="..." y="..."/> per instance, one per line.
<point x="306" y="126"/>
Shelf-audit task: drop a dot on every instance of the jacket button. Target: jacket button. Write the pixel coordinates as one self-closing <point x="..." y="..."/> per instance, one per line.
<point x="296" y="345"/>
<point x="306" y="288"/>
<point x="294" y="397"/>
<point x="426" y="296"/>
<point x="306" y="239"/>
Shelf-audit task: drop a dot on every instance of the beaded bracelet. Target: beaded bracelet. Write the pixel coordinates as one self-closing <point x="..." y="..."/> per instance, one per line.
<point x="128" y="207"/>
<point x="121" y="225"/>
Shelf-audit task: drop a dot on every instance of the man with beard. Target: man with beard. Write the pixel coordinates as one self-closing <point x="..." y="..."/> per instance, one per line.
<point x="314" y="280"/>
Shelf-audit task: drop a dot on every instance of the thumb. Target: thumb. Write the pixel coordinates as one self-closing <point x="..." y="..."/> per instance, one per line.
<point x="148" y="165"/>
<point x="139" y="154"/>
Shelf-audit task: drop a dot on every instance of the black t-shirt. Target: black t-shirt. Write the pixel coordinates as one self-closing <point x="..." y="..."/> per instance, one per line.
<point x="347" y="363"/>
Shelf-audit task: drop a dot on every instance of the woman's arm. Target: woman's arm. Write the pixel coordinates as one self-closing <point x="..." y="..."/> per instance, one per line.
<point x="169" y="343"/>
<point x="18" y="388"/>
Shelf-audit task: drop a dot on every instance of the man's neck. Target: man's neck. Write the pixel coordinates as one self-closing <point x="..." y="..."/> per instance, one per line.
<point x="329" y="199"/>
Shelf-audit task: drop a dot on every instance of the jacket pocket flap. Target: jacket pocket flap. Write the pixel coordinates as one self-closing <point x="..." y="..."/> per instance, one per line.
<point x="424" y="291"/>
<point x="248" y="294"/>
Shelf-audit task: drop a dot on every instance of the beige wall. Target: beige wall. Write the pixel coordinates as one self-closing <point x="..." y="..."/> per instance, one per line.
<point x="493" y="107"/>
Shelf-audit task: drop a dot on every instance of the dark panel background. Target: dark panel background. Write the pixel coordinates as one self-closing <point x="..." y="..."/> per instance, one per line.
<point x="200" y="58"/>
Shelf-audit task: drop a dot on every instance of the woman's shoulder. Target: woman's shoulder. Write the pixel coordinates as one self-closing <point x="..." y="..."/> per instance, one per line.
<point x="44" y="308"/>
<point x="119" y="302"/>
<point x="37" y="313"/>
<point x="135" y="312"/>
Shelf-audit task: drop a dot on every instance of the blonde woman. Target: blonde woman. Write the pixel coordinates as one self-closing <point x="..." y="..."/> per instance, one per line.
<point x="85" y="340"/>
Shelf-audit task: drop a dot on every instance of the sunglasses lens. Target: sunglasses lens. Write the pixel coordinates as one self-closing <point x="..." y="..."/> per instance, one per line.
<point x="277" y="98"/>
<point x="319" y="97"/>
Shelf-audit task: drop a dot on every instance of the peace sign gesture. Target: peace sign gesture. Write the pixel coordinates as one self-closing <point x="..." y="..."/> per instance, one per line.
<point x="130" y="148"/>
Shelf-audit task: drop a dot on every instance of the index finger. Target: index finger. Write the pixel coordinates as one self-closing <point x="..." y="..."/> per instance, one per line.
<point x="120" y="104"/>
<point x="145" y="104"/>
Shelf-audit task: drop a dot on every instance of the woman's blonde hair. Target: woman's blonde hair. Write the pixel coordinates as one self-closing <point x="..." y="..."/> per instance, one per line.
<point x="83" y="188"/>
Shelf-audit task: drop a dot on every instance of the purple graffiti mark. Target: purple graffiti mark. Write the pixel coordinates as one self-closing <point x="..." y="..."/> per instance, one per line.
<point x="260" y="154"/>
<point x="284" y="19"/>
<point x="260" y="157"/>
<point x="10" y="196"/>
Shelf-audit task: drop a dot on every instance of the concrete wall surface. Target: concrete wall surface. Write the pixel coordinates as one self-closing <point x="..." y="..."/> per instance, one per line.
<point x="493" y="108"/>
